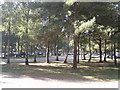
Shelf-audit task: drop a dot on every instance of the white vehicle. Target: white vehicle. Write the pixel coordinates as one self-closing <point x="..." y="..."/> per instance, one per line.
<point x="2" y="55"/>
<point x="95" y="56"/>
<point x="118" y="54"/>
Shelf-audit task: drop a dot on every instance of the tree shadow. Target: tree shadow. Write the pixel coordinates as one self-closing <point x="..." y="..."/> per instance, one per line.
<point x="62" y="72"/>
<point x="41" y="73"/>
<point x="103" y="71"/>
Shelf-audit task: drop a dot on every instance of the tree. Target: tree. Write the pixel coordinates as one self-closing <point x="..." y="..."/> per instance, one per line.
<point x="80" y="27"/>
<point x="106" y="31"/>
<point x="98" y="37"/>
<point x="8" y="18"/>
<point x="26" y="13"/>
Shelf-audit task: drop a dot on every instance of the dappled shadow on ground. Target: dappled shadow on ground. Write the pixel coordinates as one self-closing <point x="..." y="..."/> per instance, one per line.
<point x="86" y="72"/>
<point x="46" y="73"/>
<point x="104" y="70"/>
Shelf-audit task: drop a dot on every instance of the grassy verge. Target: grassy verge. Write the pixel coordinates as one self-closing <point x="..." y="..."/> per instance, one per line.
<point x="38" y="56"/>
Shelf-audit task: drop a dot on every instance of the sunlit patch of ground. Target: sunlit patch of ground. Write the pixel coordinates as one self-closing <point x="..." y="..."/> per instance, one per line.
<point x="2" y="63"/>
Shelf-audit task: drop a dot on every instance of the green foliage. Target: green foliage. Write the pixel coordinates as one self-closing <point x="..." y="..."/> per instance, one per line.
<point x="41" y="22"/>
<point x="83" y="26"/>
<point x="70" y="2"/>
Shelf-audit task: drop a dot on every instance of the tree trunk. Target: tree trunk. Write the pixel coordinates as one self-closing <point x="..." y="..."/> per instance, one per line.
<point x="5" y="51"/>
<point x="66" y="58"/>
<point x="12" y="47"/>
<point x="34" y="56"/>
<point x="100" y="49"/>
<point x="115" y="61"/>
<point x="27" y="20"/>
<point x="57" y="53"/>
<point x="90" y="50"/>
<point x="8" y="56"/>
<point x="21" y="49"/>
<point x="75" y="53"/>
<point x="26" y="58"/>
<point x="111" y="51"/>
<point x="67" y="51"/>
<point x="84" y="56"/>
<point x="75" y="38"/>
<point x="18" y="46"/>
<point x="26" y="52"/>
<point x="81" y="51"/>
<point x="47" y="53"/>
<point x="57" y="50"/>
<point x="78" y="51"/>
<point x="105" y="51"/>
<point x="32" y="49"/>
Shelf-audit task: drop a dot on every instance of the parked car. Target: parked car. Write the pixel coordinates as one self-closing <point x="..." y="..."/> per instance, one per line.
<point x="2" y="55"/>
<point x="95" y="56"/>
<point x="16" y="54"/>
<point x="70" y="53"/>
<point x="118" y="54"/>
<point x="40" y="53"/>
<point x="22" y="54"/>
<point x="108" y="55"/>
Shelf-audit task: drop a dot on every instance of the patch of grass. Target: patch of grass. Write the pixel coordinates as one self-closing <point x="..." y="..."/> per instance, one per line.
<point x="38" y="56"/>
<point x="13" y="68"/>
<point x="100" y="71"/>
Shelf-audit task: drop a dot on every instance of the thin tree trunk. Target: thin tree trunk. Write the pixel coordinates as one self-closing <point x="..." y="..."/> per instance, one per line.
<point x="115" y="60"/>
<point x="32" y="49"/>
<point x="90" y="50"/>
<point x="67" y="50"/>
<point x="75" y="53"/>
<point x="111" y="51"/>
<point x="12" y="47"/>
<point x="100" y="50"/>
<point x="5" y="51"/>
<point x="8" y="57"/>
<point x="18" y="46"/>
<point x="27" y="19"/>
<point x="66" y="58"/>
<point x="57" y="53"/>
<point x="26" y="58"/>
<point x="105" y="51"/>
<point x="47" y="53"/>
<point x="57" y="50"/>
<point x="26" y="52"/>
<point x="35" y="54"/>
<point x="21" y="48"/>
<point x="84" y="56"/>
<point x="75" y="39"/>
<point x="81" y="52"/>
<point x="78" y="52"/>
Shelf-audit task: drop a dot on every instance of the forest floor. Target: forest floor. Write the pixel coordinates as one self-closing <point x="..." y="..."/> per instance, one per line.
<point x="59" y="75"/>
